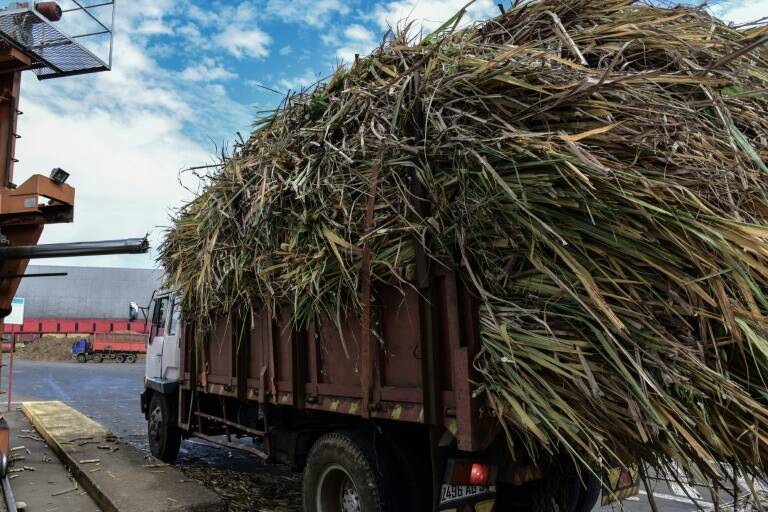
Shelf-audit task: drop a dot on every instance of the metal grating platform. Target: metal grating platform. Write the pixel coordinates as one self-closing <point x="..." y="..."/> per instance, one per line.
<point x="55" y="54"/>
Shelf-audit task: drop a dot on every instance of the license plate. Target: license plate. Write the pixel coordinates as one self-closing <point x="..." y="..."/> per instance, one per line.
<point x="452" y="493"/>
<point x="621" y="483"/>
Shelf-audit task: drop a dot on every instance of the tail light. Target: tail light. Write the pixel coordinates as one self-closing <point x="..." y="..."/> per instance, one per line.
<point x="479" y="474"/>
<point x="471" y="473"/>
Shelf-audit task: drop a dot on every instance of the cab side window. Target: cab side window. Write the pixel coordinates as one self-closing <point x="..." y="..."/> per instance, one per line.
<point x="159" y="317"/>
<point x="173" y="329"/>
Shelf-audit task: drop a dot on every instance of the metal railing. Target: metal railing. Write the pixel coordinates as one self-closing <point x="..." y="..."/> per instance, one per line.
<point x="65" y="47"/>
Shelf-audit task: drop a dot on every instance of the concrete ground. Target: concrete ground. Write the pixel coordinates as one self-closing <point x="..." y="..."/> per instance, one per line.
<point x="109" y="394"/>
<point x="116" y="474"/>
<point x="38" y="478"/>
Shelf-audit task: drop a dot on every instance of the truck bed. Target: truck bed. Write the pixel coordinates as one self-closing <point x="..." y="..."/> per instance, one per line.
<point x="416" y="367"/>
<point x="119" y="342"/>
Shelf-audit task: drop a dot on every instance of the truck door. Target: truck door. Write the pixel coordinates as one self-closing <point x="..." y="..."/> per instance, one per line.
<point x="157" y="334"/>
<point x="169" y="363"/>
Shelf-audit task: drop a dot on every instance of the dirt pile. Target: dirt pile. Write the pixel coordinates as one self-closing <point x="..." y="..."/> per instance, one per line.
<point x="47" y="348"/>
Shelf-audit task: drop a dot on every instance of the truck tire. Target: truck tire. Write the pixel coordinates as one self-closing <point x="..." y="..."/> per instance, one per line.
<point x="345" y="472"/>
<point x="162" y="428"/>
<point x="561" y="490"/>
<point x="538" y="497"/>
<point x="81" y="358"/>
<point x="98" y="358"/>
<point x="130" y="358"/>
<point x="590" y="493"/>
<point x="120" y="358"/>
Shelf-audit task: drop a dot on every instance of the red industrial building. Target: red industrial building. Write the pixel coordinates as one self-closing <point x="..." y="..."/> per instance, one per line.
<point x="82" y="300"/>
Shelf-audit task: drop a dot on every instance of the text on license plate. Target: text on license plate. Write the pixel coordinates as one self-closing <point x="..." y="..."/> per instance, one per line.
<point x="450" y="493"/>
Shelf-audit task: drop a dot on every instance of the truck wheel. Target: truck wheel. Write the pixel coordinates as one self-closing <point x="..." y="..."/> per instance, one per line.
<point x="344" y="473"/>
<point x="556" y="491"/>
<point x="540" y="496"/>
<point x="130" y="358"/>
<point x="590" y="493"/>
<point x="81" y="358"/>
<point x="98" y="358"/>
<point x="120" y="358"/>
<point x="164" y="434"/>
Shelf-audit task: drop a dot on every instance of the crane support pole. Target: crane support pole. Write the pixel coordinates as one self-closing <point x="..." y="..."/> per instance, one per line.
<point x="10" y="84"/>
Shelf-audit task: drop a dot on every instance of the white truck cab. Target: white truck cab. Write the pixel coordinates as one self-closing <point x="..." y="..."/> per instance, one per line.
<point x="159" y="401"/>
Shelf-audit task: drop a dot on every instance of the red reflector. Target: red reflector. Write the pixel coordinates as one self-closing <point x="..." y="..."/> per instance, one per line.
<point x="625" y="480"/>
<point x="479" y="474"/>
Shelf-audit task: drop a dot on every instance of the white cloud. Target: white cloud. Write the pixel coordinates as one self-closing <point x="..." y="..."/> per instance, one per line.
<point x="235" y="30"/>
<point x="744" y="11"/>
<point x="429" y="14"/>
<point x="299" y="82"/>
<point x="190" y="31"/>
<point x="315" y="13"/>
<point x="142" y="10"/>
<point x="241" y="42"/>
<point x="154" y="27"/>
<point x="355" y="40"/>
<point x="208" y="70"/>
<point x="330" y="38"/>
<point x="285" y="50"/>
<point x="358" y="33"/>
<point x="205" y="17"/>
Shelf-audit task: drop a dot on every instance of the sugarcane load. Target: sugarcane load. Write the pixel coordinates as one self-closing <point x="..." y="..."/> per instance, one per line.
<point x="596" y="172"/>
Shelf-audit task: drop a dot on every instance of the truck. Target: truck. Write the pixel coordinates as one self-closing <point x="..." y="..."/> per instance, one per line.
<point x="122" y="347"/>
<point x="379" y="413"/>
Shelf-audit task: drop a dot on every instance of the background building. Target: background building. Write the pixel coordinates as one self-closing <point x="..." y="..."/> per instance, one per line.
<point x="86" y="292"/>
<point x="86" y="300"/>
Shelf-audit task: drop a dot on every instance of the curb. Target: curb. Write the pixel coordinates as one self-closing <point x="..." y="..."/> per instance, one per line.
<point x="117" y="475"/>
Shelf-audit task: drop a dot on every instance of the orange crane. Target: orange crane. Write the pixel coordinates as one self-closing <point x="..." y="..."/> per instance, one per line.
<point x="33" y="38"/>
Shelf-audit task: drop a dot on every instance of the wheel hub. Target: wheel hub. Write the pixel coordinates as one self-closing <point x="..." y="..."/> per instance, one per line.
<point x="155" y="422"/>
<point x="349" y="499"/>
<point x="336" y="491"/>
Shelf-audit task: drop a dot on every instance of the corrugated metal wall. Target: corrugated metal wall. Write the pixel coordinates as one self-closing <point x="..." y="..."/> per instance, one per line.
<point x="86" y="292"/>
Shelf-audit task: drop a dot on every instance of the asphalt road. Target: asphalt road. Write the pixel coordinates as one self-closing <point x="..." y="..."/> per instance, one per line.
<point x="109" y="393"/>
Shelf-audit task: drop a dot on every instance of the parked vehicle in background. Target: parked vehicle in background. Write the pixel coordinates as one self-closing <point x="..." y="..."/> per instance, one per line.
<point x="377" y="425"/>
<point x="122" y="347"/>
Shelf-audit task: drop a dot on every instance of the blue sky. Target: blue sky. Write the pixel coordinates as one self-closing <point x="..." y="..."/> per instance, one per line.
<point x="186" y="77"/>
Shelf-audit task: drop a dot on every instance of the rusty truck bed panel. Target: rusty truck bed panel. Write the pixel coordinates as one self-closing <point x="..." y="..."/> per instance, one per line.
<point x="322" y="367"/>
